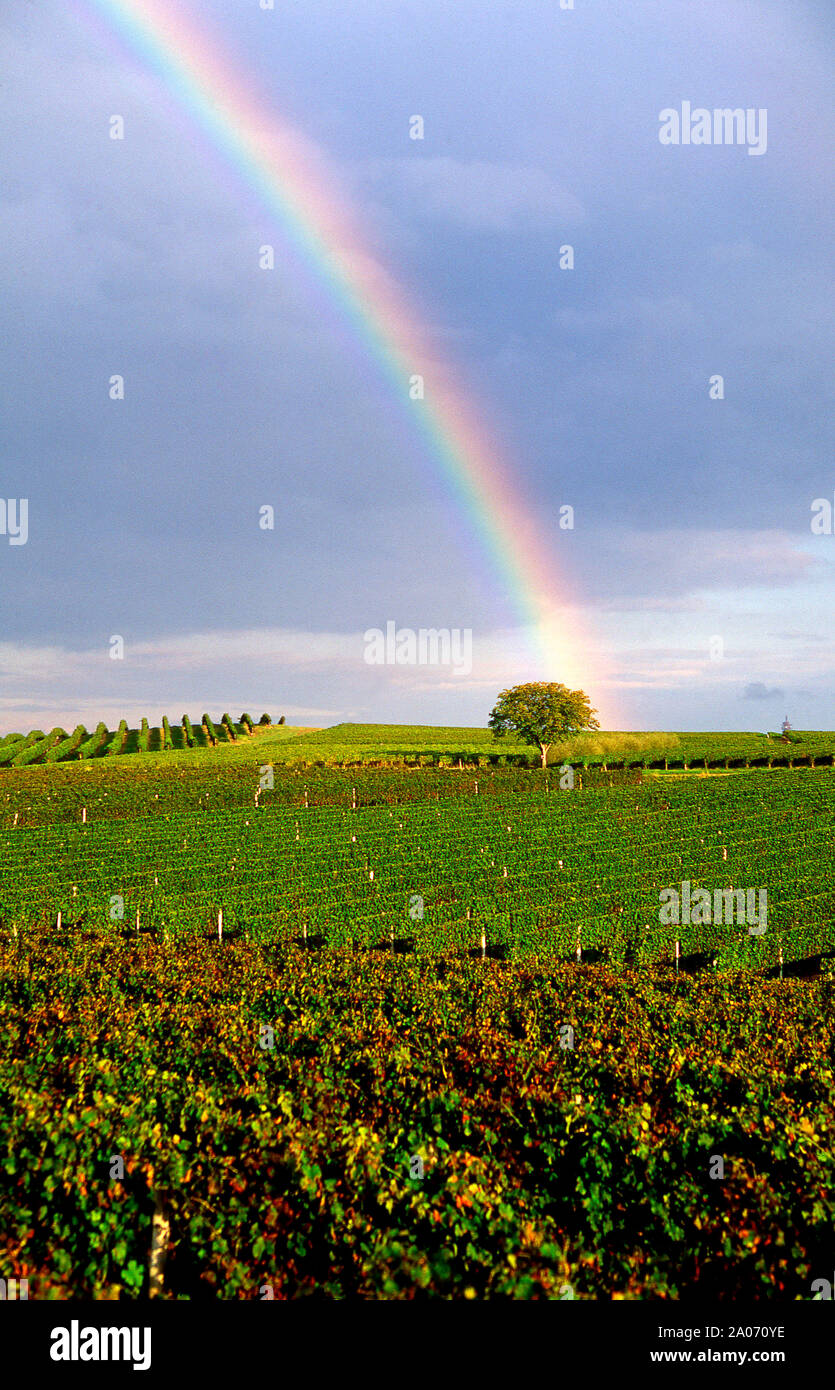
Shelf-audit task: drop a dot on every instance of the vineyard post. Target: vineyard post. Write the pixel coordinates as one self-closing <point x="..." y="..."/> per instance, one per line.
<point x="160" y="1231"/>
<point x="58" y="923"/>
<point x="353" y="798"/>
<point x="579" y="947"/>
<point x="780" y="958"/>
<point x="677" y="953"/>
<point x="220" y="924"/>
<point x="84" y="815"/>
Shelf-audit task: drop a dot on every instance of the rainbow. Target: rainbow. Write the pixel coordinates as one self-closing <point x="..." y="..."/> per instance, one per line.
<point x="286" y="174"/>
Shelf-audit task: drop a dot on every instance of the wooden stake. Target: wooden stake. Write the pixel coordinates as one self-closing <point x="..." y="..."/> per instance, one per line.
<point x="220" y="924"/>
<point x="483" y="943"/>
<point x="677" y="954"/>
<point x="579" y="948"/>
<point x="84" y="815"/>
<point x="160" y="1231"/>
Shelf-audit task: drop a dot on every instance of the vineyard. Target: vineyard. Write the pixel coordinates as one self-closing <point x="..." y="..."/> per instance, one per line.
<point x="529" y="869"/>
<point x="27" y="750"/>
<point x="411" y="1031"/>
<point x="387" y="744"/>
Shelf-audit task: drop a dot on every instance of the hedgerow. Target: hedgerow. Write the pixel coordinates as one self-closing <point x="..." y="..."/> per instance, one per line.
<point x="119" y="740"/>
<point x="95" y="744"/>
<point x="36" y="750"/>
<point x="66" y="747"/>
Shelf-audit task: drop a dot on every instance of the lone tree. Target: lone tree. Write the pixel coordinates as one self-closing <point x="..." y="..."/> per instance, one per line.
<point x="542" y="713"/>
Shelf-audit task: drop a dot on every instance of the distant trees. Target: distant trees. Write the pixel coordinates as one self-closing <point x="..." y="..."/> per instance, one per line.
<point x="542" y="713"/>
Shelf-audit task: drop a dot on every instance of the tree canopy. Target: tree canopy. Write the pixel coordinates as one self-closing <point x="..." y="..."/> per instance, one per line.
<point x="542" y="713"/>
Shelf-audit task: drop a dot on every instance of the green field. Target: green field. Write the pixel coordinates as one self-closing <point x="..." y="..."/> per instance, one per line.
<point x="398" y="980"/>
<point x="358" y="744"/>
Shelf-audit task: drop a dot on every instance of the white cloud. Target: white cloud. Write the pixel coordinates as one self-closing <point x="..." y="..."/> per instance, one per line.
<point x="687" y="560"/>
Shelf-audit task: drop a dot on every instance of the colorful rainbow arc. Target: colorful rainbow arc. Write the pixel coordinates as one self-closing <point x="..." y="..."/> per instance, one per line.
<point x="286" y="175"/>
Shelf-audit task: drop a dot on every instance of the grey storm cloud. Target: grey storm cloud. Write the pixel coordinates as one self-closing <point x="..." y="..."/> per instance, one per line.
<point x="757" y="690"/>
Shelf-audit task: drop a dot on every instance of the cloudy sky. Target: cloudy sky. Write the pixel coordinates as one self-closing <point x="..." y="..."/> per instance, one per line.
<point x="695" y="594"/>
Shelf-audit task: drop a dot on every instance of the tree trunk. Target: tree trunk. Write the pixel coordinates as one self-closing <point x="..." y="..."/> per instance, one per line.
<point x="543" y="748"/>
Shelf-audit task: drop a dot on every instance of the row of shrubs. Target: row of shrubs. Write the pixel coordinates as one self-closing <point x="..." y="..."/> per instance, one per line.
<point x="32" y="751"/>
<point x="15" y="744"/>
<point x="67" y="746"/>
<point x="469" y="759"/>
<point x="19" y="750"/>
<point x="95" y="744"/>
